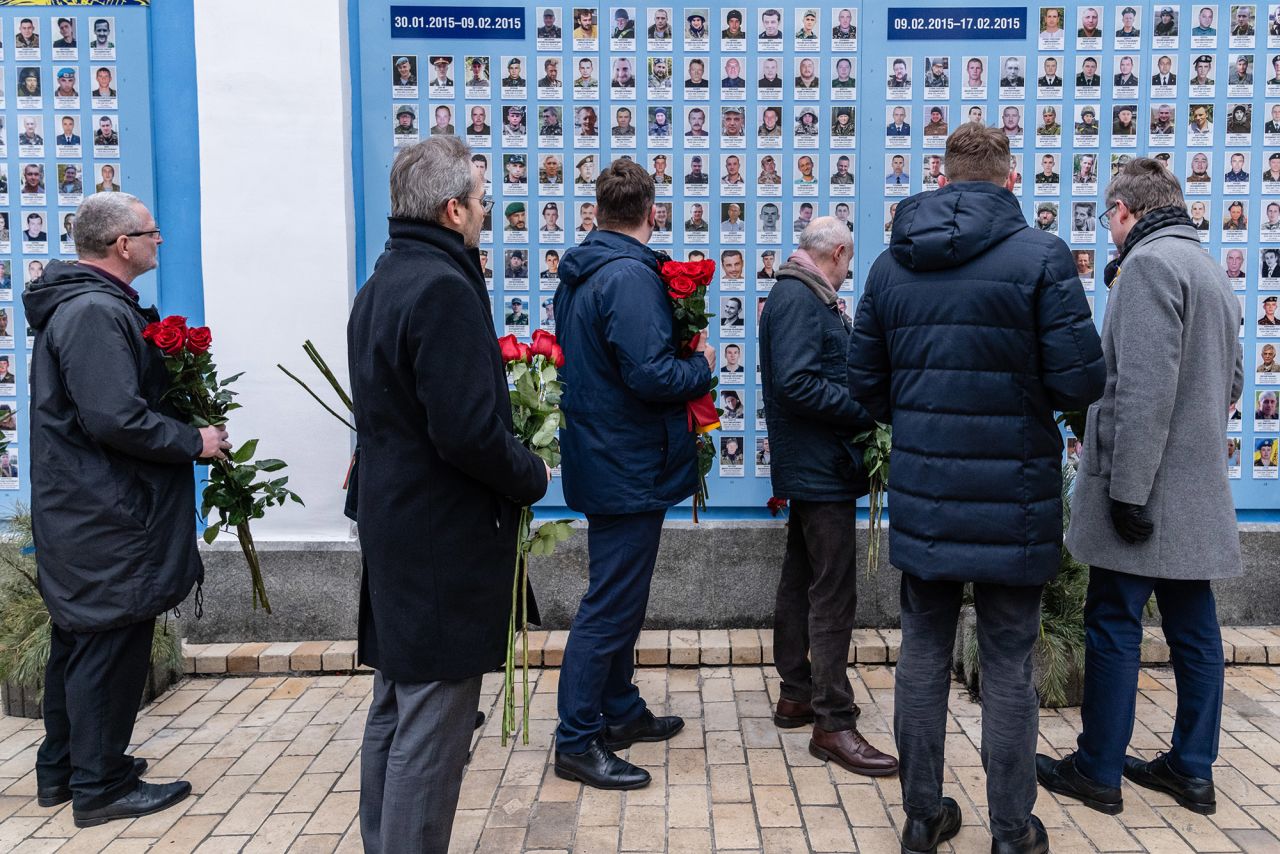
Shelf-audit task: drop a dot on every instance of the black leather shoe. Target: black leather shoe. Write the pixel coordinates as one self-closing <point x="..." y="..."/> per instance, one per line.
<point x="52" y="796"/>
<point x="1062" y="776"/>
<point x="1035" y="841"/>
<point x="599" y="768"/>
<point x="479" y="719"/>
<point x="922" y="837"/>
<point x="644" y="728"/>
<point x="144" y="800"/>
<point x="1195" y="793"/>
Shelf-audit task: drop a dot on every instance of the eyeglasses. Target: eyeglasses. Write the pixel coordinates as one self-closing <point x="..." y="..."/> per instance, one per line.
<point x="486" y="202"/>
<point x="152" y="232"/>
<point x="1104" y="218"/>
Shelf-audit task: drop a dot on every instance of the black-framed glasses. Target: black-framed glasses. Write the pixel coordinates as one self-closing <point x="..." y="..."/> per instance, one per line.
<point x="1104" y="218"/>
<point x="486" y="202"/>
<point x="149" y="233"/>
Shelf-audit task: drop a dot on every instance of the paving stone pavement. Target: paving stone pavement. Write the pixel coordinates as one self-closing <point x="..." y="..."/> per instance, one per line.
<point x="275" y="766"/>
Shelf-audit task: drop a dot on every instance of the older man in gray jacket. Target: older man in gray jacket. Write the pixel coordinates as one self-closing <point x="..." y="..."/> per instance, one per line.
<point x="1153" y="509"/>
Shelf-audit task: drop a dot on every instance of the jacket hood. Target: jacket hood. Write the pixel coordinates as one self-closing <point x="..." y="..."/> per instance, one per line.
<point x="601" y="247"/>
<point x="951" y="226"/>
<point x="63" y="281"/>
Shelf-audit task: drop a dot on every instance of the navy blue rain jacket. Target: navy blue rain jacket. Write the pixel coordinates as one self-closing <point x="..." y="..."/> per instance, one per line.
<point x="626" y="442"/>
<point x="972" y="331"/>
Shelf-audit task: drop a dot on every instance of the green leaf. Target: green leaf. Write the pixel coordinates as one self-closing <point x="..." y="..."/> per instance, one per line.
<point x="245" y="452"/>
<point x="211" y="533"/>
<point x="547" y="431"/>
<point x="270" y="465"/>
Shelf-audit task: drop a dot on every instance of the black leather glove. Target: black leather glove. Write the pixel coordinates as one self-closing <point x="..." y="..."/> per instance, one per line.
<point x="1131" y="521"/>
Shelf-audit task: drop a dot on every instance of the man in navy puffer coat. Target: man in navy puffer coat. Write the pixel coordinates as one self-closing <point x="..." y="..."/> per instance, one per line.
<point x="973" y="329"/>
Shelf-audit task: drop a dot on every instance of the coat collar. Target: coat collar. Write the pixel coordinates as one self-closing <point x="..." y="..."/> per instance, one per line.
<point x="1183" y="232"/>
<point x="410" y="233"/>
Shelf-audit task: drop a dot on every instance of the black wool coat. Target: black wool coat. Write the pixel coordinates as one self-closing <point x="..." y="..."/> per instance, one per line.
<point x="441" y="476"/>
<point x="112" y="498"/>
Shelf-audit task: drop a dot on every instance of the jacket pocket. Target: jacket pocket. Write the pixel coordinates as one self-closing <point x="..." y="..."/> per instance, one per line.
<point x="1092" y="456"/>
<point x="835" y="348"/>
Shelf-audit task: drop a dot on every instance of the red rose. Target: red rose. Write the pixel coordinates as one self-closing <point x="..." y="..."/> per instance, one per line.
<point x="706" y="271"/>
<point x="557" y="356"/>
<point x="776" y="505"/>
<point x="170" y="339"/>
<point x="681" y="286"/>
<point x="543" y="341"/>
<point x="177" y="321"/>
<point x="199" y="339"/>
<point x="149" y="333"/>
<point x="671" y="268"/>
<point x="510" y="348"/>
<point x="524" y="353"/>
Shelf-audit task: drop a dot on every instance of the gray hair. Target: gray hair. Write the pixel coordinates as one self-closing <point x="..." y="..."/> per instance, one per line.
<point x="426" y="175"/>
<point x="1145" y="184"/>
<point x="824" y="235"/>
<point x="101" y="219"/>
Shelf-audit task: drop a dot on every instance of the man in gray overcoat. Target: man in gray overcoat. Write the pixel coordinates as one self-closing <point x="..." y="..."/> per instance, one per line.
<point x="1153" y="510"/>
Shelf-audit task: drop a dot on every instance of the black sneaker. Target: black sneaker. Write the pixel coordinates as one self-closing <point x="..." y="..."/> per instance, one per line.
<point x="922" y="837"/>
<point x="1062" y="777"/>
<point x="644" y="728"/>
<point x="1194" y="793"/>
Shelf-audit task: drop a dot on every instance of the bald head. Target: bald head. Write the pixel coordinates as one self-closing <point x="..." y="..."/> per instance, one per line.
<point x="829" y="243"/>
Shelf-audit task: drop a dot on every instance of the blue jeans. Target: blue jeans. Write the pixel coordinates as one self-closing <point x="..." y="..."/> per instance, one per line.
<point x="599" y="658"/>
<point x="1113" y="643"/>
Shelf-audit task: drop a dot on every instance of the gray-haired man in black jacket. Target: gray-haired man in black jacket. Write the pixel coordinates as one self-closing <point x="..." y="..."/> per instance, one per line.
<point x="113" y="511"/>
<point x="812" y="419"/>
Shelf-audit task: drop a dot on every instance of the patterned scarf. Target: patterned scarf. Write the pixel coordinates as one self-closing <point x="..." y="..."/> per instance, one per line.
<point x="1150" y="222"/>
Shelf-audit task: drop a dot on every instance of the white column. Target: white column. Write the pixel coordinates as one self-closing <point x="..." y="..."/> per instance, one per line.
<point x="277" y="217"/>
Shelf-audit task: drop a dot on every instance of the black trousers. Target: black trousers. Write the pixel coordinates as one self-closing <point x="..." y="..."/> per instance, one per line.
<point x="92" y="691"/>
<point x="1008" y="625"/>
<point x="814" y="614"/>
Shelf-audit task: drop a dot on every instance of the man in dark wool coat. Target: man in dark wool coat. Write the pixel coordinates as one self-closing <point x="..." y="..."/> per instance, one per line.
<point x="972" y="331"/>
<point x="442" y="482"/>
<point x="112" y="509"/>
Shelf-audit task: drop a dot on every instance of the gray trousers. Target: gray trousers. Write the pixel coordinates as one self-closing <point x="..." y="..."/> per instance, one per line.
<point x="415" y="749"/>
<point x="1008" y="625"/>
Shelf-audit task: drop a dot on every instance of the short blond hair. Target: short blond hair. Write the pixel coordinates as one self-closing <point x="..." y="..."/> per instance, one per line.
<point x="976" y="152"/>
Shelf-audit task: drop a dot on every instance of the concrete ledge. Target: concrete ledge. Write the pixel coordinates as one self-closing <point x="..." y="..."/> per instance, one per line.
<point x="657" y="648"/>
<point x="717" y="575"/>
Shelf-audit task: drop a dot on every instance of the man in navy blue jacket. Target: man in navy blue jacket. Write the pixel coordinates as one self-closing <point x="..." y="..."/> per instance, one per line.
<point x="628" y="456"/>
<point x="973" y="329"/>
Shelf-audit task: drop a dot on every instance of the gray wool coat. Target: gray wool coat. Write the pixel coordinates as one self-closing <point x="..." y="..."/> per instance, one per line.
<point x="1158" y="436"/>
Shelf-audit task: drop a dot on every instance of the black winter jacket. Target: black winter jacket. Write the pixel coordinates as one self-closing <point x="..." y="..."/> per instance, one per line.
<point x="112" y="498"/>
<point x="972" y="331"/>
<point x="441" y="476"/>
<point x="811" y="415"/>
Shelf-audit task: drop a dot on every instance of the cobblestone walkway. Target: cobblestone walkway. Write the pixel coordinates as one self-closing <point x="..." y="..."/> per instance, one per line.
<point x="274" y="762"/>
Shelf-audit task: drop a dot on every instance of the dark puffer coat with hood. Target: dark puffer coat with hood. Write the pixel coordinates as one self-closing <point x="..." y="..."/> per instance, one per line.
<point x="973" y="329"/>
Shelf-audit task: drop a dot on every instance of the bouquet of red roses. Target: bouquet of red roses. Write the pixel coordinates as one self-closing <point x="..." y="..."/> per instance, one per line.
<point x="235" y="487"/>
<point x="536" y="416"/>
<point x="687" y="283"/>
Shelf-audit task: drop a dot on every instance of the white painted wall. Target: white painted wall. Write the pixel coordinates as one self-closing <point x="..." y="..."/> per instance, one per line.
<point x="277" y="232"/>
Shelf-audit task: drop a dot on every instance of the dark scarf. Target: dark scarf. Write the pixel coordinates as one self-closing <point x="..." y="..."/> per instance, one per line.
<point x="1150" y="222"/>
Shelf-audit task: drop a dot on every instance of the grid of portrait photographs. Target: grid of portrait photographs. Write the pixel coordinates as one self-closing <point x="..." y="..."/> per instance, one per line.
<point x="59" y="140"/>
<point x="748" y="119"/>
<point x="744" y="116"/>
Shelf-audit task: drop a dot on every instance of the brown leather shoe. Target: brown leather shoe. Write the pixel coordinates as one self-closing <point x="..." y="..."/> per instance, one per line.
<point x="791" y="714"/>
<point x="848" y="749"/>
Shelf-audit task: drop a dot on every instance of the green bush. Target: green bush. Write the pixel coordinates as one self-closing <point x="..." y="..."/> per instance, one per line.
<point x="24" y="618"/>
